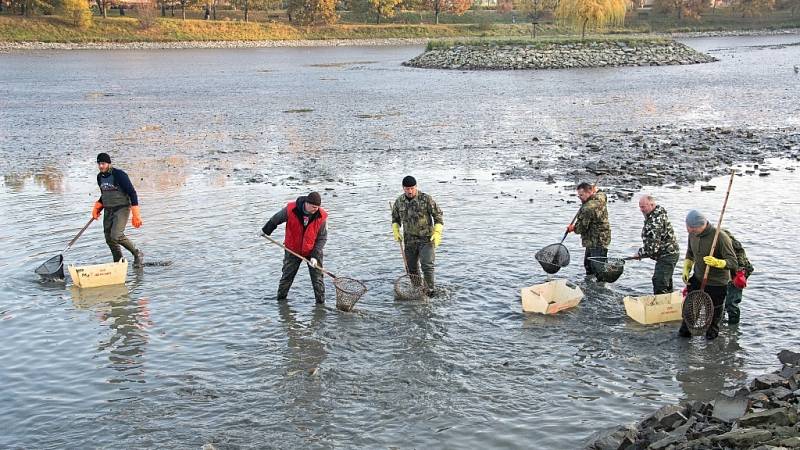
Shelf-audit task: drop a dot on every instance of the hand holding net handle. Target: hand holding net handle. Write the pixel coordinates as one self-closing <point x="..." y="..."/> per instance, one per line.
<point x="716" y="234"/>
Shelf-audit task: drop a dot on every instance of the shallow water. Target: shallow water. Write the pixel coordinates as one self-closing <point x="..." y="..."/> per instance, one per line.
<point x="199" y="352"/>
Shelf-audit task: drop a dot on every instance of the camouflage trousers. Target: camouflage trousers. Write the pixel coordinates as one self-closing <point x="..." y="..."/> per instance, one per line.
<point x="420" y="252"/>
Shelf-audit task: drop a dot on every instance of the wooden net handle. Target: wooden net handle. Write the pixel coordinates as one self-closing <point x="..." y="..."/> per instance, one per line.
<point x="716" y="234"/>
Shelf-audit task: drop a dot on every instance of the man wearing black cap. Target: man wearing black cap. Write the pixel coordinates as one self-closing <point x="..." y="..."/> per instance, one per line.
<point x="119" y="201"/>
<point x="306" y="234"/>
<point x="422" y="223"/>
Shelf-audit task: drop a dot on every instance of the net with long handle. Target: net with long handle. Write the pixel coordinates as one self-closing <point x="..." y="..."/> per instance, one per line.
<point x="52" y="269"/>
<point x="553" y="257"/>
<point x="410" y="286"/>
<point x="698" y="312"/>
<point x="607" y="270"/>
<point x="348" y="292"/>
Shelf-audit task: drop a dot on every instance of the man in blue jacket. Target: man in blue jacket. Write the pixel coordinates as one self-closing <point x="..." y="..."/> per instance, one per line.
<point x="119" y="200"/>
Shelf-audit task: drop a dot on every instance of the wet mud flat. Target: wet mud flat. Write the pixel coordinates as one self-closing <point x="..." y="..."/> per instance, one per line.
<point x="663" y="155"/>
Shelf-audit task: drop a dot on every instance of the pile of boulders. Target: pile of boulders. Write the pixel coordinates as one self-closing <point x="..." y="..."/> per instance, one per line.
<point x="655" y="156"/>
<point x="763" y="415"/>
<point x="567" y="55"/>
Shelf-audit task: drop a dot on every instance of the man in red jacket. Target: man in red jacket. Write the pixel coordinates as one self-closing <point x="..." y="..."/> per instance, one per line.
<point x="306" y="234"/>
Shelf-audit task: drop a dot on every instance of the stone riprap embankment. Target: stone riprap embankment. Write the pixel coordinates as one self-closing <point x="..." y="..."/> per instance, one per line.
<point x="630" y="159"/>
<point x="763" y="415"/>
<point x="487" y="56"/>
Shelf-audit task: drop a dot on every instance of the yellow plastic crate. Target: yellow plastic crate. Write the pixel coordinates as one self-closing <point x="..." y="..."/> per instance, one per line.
<point x="550" y="297"/>
<point x="99" y="274"/>
<point x="649" y="309"/>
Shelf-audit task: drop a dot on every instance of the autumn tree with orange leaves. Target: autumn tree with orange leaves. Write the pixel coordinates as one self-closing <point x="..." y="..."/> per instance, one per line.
<point x="457" y="7"/>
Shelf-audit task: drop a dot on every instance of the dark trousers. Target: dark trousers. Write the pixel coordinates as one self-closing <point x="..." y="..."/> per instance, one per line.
<point x="733" y="297"/>
<point x="662" y="274"/>
<point x="592" y="252"/>
<point x="717" y="294"/>
<point x="291" y="264"/>
<point x="421" y="252"/>
<point x="114" y="221"/>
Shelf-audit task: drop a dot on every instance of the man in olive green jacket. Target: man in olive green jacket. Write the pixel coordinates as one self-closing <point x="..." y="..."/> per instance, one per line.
<point x="422" y="221"/>
<point x="701" y="236"/>
<point x="592" y="224"/>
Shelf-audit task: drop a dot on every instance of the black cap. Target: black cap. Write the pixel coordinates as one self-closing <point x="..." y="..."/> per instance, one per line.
<point x="103" y="157"/>
<point x="409" y="181"/>
<point x="314" y="199"/>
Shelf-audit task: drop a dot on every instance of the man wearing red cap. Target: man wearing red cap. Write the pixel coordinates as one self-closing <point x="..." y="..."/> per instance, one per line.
<point x="306" y="234"/>
<point x="119" y="200"/>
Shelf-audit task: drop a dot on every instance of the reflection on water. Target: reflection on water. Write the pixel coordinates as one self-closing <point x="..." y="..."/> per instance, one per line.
<point x="129" y="321"/>
<point x="708" y="369"/>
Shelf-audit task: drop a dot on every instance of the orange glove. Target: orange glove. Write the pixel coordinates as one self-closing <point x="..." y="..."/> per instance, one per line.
<point x="136" y="219"/>
<point x="570" y="228"/>
<point x="96" y="210"/>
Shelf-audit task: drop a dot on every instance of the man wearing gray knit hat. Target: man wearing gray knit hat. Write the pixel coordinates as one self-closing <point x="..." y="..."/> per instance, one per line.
<point x="701" y="237"/>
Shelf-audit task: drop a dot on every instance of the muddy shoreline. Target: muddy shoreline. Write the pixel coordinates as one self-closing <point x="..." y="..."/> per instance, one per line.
<point x="627" y="160"/>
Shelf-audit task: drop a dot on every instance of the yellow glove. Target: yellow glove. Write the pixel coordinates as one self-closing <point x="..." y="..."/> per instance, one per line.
<point x="714" y="262"/>
<point x="436" y="237"/>
<point x="687" y="269"/>
<point x="396" y="231"/>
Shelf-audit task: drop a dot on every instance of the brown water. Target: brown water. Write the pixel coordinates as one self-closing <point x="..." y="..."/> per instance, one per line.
<point x="199" y="352"/>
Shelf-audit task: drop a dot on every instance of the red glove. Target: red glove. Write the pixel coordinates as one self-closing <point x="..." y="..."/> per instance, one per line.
<point x="570" y="228"/>
<point x="96" y="210"/>
<point x="136" y="219"/>
<point x="739" y="280"/>
<point x="685" y="292"/>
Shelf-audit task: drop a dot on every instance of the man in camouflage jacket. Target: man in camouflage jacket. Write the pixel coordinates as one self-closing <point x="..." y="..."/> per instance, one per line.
<point x="422" y="222"/>
<point x="592" y="224"/>
<point x="739" y="277"/>
<point x="660" y="245"/>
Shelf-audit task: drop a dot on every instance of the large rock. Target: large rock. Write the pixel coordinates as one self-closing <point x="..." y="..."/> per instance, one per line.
<point x="618" y="439"/>
<point x="769" y="381"/>
<point x="743" y="437"/>
<point x="779" y="416"/>
<point x="789" y="358"/>
<point x="666" y="417"/>
<point x="728" y="409"/>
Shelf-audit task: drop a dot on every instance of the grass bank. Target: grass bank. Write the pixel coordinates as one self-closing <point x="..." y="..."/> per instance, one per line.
<point x="125" y="29"/>
<point x="53" y="29"/>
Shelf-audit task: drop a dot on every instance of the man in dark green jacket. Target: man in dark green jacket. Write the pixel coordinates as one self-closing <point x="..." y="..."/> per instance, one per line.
<point x="701" y="236"/>
<point x="592" y="224"/>
<point x="422" y="222"/>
